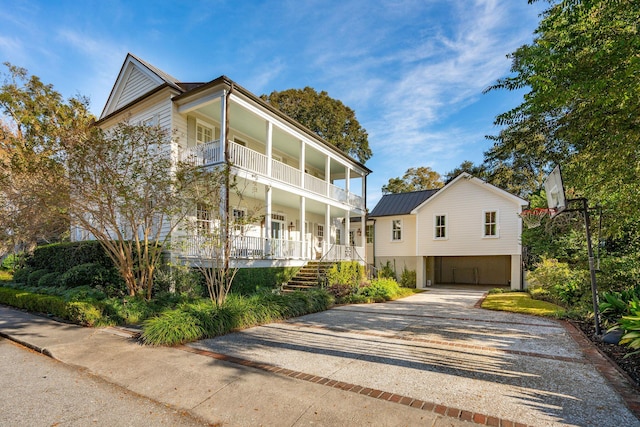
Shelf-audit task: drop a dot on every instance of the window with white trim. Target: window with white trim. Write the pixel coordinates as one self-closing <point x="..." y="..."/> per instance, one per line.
<point x="239" y="221"/>
<point x="203" y="219"/>
<point x="490" y="228"/>
<point x="440" y="227"/>
<point x="369" y="233"/>
<point x="151" y="121"/>
<point x="320" y="233"/>
<point x="204" y="134"/>
<point x="396" y="230"/>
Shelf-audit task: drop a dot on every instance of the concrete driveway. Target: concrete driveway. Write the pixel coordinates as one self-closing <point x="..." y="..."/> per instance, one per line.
<point x="436" y="351"/>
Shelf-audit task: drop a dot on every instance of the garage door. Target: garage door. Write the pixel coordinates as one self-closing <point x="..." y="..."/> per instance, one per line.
<point x="473" y="270"/>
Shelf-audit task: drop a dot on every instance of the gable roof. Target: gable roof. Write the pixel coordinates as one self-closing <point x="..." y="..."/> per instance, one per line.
<point x="410" y="203"/>
<point x="158" y="79"/>
<point x="135" y="79"/>
<point x="400" y="203"/>
<point x="477" y="181"/>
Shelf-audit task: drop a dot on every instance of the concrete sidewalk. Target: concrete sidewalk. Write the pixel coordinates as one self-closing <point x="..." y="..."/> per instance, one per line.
<point x="431" y="359"/>
<point x="216" y="391"/>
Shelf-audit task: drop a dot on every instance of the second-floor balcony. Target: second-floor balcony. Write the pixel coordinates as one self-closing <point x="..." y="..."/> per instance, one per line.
<point x="252" y="161"/>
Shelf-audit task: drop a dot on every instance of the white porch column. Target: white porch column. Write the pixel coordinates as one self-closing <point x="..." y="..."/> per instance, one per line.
<point x="364" y="191"/>
<point x="302" y="162"/>
<point x="327" y="174"/>
<point x="347" y="226"/>
<point x="326" y="244"/>
<point x="267" y="220"/>
<point x="223" y="121"/>
<point x="303" y="231"/>
<point x="269" y="147"/>
<point x="347" y="179"/>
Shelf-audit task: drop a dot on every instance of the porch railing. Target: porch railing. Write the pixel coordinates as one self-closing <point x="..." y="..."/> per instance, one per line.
<point x="248" y="159"/>
<point x="242" y="157"/>
<point x="252" y="247"/>
<point x="285" y="173"/>
<point x="203" y="154"/>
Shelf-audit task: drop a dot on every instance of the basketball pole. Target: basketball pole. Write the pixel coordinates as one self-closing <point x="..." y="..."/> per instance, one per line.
<point x="592" y="269"/>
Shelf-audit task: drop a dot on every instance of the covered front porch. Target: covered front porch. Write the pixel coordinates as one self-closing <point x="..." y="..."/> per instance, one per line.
<point x="272" y="226"/>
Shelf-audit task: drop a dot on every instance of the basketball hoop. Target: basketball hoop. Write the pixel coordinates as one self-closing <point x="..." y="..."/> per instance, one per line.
<point x="532" y="218"/>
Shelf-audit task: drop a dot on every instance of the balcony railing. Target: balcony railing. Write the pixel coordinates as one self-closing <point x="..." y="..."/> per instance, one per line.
<point x="252" y="247"/>
<point x="203" y="154"/>
<point x="253" y="161"/>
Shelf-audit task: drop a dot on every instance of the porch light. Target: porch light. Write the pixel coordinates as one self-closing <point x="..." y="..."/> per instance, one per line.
<point x="359" y="232"/>
<point x="291" y="226"/>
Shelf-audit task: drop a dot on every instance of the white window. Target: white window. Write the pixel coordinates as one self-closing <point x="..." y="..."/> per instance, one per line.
<point x="490" y="226"/>
<point x="396" y="230"/>
<point x="320" y="233"/>
<point x="440" y="227"/>
<point x="239" y="219"/>
<point x="338" y="236"/>
<point x="369" y="233"/>
<point x="203" y="219"/>
<point x="151" y="121"/>
<point x="204" y="134"/>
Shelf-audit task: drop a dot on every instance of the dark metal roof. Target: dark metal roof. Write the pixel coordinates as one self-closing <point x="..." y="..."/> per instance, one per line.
<point x="400" y="203"/>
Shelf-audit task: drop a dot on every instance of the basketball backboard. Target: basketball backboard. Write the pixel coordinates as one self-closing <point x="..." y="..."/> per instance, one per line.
<point x="555" y="192"/>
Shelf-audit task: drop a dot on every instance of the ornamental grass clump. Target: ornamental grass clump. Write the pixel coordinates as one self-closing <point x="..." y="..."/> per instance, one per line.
<point x="200" y="319"/>
<point x="171" y="328"/>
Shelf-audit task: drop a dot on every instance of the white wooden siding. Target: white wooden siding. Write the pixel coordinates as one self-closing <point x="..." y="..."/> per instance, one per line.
<point x="386" y="246"/>
<point x="464" y="204"/>
<point x="158" y="106"/>
<point x="136" y="85"/>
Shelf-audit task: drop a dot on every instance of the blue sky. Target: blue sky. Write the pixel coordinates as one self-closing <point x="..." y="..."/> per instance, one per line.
<point x="413" y="70"/>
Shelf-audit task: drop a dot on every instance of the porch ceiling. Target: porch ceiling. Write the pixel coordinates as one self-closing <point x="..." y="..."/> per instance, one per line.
<point x="254" y="198"/>
<point x="253" y="126"/>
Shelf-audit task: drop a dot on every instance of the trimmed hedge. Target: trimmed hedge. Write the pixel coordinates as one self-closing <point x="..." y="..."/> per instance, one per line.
<point x="34" y="277"/>
<point x="80" y="312"/>
<point x="248" y="280"/>
<point x="49" y="280"/>
<point x="60" y="257"/>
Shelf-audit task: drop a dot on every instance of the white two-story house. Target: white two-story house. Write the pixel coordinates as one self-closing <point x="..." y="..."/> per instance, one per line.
<point x="302" y="190"/>
<point x="467" y="232"/>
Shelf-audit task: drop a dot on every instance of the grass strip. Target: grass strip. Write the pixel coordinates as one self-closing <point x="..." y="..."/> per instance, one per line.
<point x="521" y="302"/>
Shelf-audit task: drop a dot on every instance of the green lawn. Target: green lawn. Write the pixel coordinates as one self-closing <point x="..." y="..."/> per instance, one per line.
<point x="521" y="302"/>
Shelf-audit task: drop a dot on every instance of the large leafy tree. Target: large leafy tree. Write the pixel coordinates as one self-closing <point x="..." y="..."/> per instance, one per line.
<point x="583" y="107"/>
<point x="327" y="117"/>
<point x="414" y="179"/>
<point x="479" y="171"/>
<point x="36" y="126"/>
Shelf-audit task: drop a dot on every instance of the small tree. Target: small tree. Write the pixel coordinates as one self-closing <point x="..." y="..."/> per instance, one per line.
<point x="129" y="192"/>
<point x="214" y="235"/>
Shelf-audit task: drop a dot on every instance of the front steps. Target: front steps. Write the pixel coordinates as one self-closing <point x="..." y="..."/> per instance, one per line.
<point x="310" y="276"/>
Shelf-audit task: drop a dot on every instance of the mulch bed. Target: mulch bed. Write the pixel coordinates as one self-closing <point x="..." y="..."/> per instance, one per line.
<point x="630" y="365"/>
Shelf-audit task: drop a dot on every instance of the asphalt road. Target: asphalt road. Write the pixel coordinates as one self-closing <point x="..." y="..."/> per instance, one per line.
<point x="36" y="390"/>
